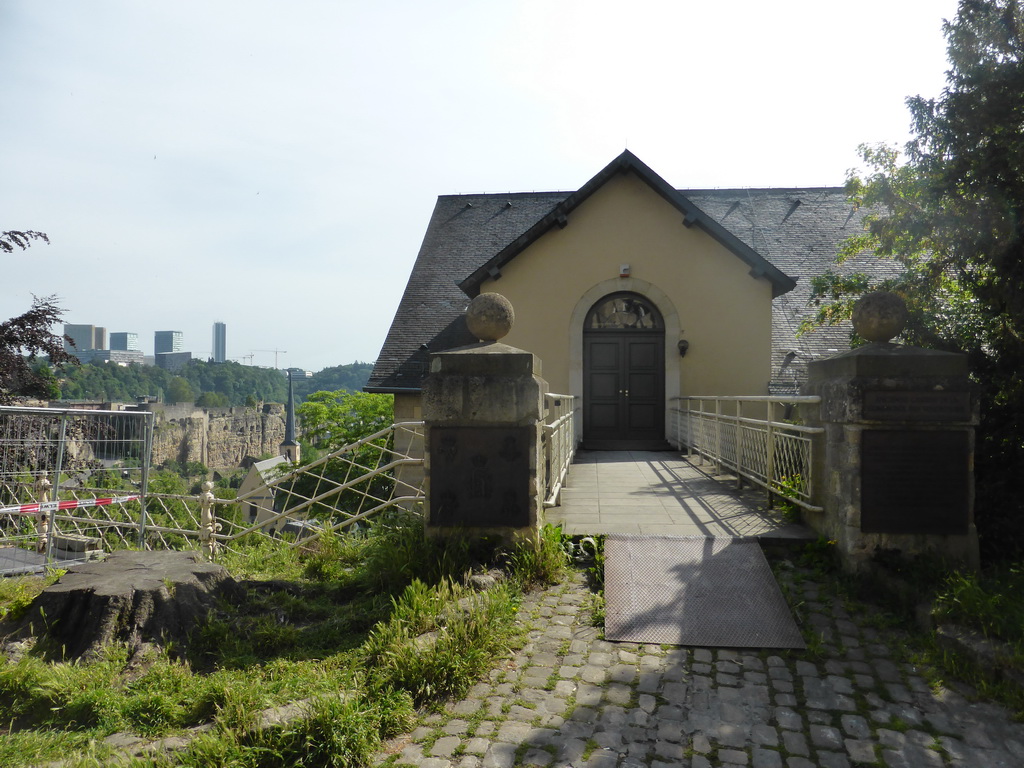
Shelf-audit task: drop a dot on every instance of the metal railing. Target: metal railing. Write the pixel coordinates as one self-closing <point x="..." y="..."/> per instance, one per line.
<point x="559" y="443"/>
<point x="337" y="491"/>
<point x="76" y="483"/>
<point x="754" y="438"/>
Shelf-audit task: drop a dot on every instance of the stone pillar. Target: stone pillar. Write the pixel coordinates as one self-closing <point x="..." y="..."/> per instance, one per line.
<point x="483" y="408"/>
<point x="895" y="468"/>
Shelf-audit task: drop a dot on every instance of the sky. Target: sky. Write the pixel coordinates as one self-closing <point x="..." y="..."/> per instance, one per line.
<point x="273" y="165"/>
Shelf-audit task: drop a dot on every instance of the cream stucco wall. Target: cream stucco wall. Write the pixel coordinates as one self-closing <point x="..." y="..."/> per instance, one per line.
<point x="704" y="291"/>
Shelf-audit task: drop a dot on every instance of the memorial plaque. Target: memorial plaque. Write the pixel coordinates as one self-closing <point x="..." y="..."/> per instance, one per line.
<point x="914" y="481"/>
<point x="479" y="476"/>
<point x="925" y="405"/>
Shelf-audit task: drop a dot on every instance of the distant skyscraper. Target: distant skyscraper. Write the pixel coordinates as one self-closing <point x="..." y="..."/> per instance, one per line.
<point x="168" y="341"/>
<point x="85" y="337"/>
<point x="125" y="341"/>
<point x="220" y="347"/>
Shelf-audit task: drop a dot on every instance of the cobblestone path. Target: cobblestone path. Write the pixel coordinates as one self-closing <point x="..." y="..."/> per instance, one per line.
<point x="569" y="698"/>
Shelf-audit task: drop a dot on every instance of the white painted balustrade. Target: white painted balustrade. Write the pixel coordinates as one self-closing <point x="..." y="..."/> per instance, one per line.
<point x="757" y="439"/>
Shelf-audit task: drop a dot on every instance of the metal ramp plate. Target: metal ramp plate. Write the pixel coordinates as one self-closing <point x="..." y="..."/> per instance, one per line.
<point x="697" y="591"/>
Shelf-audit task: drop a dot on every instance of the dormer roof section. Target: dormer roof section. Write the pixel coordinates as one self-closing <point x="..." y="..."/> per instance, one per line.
<point x="692" y="216"/>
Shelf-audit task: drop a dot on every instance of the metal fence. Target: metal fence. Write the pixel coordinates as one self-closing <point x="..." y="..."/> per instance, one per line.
<point x="77" y="483"/>
<point x="559" y="443"/>
<point x="754" y="438"/>
<point x="71" y="482"/>
<point x="335" y="492"/>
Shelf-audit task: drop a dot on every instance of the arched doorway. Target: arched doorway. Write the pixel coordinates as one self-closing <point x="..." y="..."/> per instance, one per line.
<point x="624" y="374"/>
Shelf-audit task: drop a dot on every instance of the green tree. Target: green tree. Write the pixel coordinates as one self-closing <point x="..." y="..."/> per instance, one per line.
<point x="47" y="380"/>
<point x="27" y="337"/>
<point x="332" y="420"/>
<point x="352" y="377"/>
<point x="180" y="391"/>
<point x="951" y="218"/>
<point x="226" y="383"/>
<point x="212" y="400"/>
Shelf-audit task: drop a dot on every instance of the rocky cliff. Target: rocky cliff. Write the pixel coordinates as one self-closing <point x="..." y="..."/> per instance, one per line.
<point x="218" y="437"/>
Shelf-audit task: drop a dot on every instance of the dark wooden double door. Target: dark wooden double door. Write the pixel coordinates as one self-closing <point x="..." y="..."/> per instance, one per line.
<point x="624" y="389"/>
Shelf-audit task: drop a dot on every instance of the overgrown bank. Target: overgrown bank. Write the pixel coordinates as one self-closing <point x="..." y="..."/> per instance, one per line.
<point x="384" y="620"/>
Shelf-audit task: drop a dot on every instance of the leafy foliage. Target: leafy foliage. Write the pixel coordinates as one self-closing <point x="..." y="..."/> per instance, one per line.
<point x="179" y="391"/>
<point x="227" y="384"/>
<point x="333" y="420"/>
<point x="20" y="239"/>
<point x="23" y="339"/>
<point x="212" y="385"/>
<point x="27" y="337"/>
<point x="351" y="377"/>
<point x="951" y="218"/>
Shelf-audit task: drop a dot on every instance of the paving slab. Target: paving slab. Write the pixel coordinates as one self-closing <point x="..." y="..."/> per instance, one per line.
<point x="660" y="493"/>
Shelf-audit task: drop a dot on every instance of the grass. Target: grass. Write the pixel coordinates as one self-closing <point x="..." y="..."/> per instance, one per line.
<point x="17" y="594"/>
<point x="991" y="603"/>
<point x="545" y="564"/>
<point x="382" y="617"/>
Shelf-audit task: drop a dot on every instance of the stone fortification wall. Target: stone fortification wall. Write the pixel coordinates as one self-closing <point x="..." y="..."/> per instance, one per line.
<point x="218" y="437"/>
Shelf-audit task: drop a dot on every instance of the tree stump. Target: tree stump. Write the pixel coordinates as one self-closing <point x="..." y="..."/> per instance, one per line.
<point x="133" y="598"/>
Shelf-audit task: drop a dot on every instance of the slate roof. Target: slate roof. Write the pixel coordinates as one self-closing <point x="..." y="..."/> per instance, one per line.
<point x="796" y="230"/>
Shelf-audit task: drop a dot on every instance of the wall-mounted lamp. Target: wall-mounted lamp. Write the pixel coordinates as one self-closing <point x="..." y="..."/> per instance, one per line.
<point x="624" y="270"/>
<point x="683" y="346"/>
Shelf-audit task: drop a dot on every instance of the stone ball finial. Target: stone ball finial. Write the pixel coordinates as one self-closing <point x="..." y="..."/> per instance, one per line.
<point x="879" y="316"/>
<point x="489" y="316"/>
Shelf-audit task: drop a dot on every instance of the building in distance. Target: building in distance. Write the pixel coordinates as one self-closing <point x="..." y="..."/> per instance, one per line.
<point x="220" y="348"/>
<point x="168" y="341"/>
<point x="172" y="361"/>
<point x="118" y="356"/>
<point x="85" y="338"/>
<point x="125" y="341"/>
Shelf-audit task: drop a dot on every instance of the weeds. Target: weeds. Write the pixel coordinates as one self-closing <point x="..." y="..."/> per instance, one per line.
<point x="789" y="488"/>
<point x="16" y="595"/>
<point x="432" y="650"/>
<point x="897" y="592"/>
<point x="591" y="557"/>
<point x="821" y="556"/>
<point x="381" y="617"/>
<point x="993" y="605"/>
<point x="544" y="564"/>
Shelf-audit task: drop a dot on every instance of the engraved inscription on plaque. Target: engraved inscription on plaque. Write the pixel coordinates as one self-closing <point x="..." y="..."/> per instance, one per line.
<point x="479" y="476"/>
<point x="888" y="405"/>
<point x="914" y="481"/>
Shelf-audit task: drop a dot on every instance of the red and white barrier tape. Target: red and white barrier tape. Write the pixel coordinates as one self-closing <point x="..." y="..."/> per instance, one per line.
<point x="46" y="506"/>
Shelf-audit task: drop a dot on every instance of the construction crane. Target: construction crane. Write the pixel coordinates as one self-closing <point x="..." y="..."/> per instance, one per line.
<point x="276" y="353"/>
<point x="248" y="357"/>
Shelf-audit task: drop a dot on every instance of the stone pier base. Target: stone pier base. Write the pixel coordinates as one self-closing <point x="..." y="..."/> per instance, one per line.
<point x="894" y="471"/>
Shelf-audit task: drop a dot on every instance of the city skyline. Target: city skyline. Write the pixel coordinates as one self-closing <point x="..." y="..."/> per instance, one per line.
<point x="89" y="338"/>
